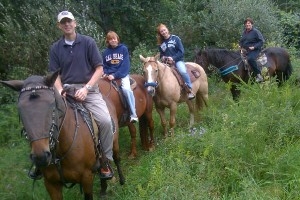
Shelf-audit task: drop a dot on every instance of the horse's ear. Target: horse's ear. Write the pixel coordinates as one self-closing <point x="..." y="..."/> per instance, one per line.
<point x="142" y="58"/>
<point x="51" y="78"/>
<point x="16" y="85"/>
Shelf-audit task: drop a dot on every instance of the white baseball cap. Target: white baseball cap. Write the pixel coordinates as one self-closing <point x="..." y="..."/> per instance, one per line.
<point x="65" y="14"/>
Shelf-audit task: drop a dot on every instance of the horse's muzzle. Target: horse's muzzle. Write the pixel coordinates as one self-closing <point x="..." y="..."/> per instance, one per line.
<point x="41" y="160"/>
<point x="151" y="91"/>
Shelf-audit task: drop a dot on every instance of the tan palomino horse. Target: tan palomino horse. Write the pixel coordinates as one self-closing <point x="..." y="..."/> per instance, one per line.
<point x="60" y="140"/>
<point x="167" y="92"/>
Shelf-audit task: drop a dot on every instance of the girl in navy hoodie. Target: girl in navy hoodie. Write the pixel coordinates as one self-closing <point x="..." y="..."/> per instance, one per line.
<point x="117" y="66"/>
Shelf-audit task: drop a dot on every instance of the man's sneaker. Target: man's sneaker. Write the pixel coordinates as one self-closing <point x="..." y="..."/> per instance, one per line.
<point x="36" y="174"/>
<point x="191" y="95"/>
<point x="134" y="119"/>
<point x="259" y="78"/>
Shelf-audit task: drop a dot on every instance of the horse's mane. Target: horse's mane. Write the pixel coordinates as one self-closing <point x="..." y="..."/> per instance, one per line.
<point x="218" y="55"/>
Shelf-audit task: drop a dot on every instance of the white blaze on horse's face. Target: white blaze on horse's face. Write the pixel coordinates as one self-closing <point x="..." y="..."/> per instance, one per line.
<point x="149" y="69"/>
<point x="151" y="83"/>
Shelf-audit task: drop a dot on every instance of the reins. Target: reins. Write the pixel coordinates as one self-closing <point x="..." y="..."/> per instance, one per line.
<point x="225" y="69"/>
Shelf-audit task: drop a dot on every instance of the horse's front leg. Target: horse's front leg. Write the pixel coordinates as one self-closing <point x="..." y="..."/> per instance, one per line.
<point x="163" y="121"/>
<point x="235" y="92"/>
<point x="133" y="151"/>
<point x="172" y="122"/>
<point x="146" y="125"/>
<point x="87" y="184"/>
<point x="151" y="131"/>
<point x="54" y="190"/>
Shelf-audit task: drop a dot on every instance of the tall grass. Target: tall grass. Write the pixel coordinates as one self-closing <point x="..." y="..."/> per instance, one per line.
<point x="249" y="150"/>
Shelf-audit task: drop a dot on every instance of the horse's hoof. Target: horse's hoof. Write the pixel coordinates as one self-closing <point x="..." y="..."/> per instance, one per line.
<point x="113" y="180"/>
<point x="193" y="131"/>
<point x="131" y="156"/>
<point x="152" y="148"/>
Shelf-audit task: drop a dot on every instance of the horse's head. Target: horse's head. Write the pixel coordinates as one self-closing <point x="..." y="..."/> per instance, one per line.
<point x="150" y="72"/>
<point x="37" y="109"/>
<point x="201" y="58"/>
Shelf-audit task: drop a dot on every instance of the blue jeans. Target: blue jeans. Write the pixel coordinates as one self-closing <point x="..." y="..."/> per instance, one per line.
<point x="251" y="58"/>
<point x="180" y="65"/>
<point x="129" y="95"/>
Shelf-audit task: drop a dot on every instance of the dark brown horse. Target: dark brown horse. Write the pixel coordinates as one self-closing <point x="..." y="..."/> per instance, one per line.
<point x="62" y="145"/>
<point x="232" y="68"/>
<point x="144" y="107"/>
<point x="167" y="92"/>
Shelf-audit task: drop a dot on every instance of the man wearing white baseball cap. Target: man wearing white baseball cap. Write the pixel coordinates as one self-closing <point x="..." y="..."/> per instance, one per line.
<point x="65" y="14"/>
<point x="80" y="63"/>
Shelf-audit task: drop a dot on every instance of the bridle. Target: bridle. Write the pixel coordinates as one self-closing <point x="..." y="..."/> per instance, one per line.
<point x="54" y="128"/>
<point x="156" y="83"/>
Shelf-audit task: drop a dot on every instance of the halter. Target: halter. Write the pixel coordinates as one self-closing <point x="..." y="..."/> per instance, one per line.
<point x="154" y="84"/>
<point x="224" y="70"/>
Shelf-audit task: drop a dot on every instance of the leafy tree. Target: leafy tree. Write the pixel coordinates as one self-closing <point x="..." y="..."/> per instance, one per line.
<point x="220" y="22"/>
<point x="290" y="23"/>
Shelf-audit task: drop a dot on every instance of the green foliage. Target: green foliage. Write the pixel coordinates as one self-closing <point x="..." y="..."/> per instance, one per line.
<point x="249" y="150"/>
<point x="10" y="125"/>
<point x="220" y="22"/>
<point x="24" y="26"/>
<point x="288" y="5"/>
<point x="290" y="23"/>
<point x="136" y="63"/>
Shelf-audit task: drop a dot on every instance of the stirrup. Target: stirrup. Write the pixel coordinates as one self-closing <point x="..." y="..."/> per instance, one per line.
<point x="106" y="172"/>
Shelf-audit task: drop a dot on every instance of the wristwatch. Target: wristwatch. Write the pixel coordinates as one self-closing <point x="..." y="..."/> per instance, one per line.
<point x="88" y="87"/>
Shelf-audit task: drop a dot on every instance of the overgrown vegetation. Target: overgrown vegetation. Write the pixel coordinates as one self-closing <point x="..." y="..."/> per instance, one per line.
<point x="244" y="150"/>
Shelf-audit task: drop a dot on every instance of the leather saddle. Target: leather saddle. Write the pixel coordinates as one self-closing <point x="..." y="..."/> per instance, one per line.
<point x="192" y="71"/>
<point x="262" y="60"/>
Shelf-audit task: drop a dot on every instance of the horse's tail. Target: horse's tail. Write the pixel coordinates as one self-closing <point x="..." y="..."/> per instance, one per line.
<point x="202" y="93"/>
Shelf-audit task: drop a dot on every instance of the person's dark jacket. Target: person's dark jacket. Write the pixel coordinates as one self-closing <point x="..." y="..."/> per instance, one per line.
<point x="252" y="38"/>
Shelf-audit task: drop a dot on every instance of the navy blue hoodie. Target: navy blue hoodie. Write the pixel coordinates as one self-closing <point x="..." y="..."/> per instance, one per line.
<point x="172" y="47"/>
<point x="116" y="61"/>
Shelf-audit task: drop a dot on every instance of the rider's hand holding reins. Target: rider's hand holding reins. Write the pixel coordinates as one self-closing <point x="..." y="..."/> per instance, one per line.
<point x="81" y="94"/>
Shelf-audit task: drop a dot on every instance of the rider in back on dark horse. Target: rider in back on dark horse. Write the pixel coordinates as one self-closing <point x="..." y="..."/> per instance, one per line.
<point x="252" y="41"/>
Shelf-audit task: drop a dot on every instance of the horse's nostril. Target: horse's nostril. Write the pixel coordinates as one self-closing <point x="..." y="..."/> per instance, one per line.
<point x="48" y="154"/>
<point x="32" y="157"/>
<point x="41" y="160"/>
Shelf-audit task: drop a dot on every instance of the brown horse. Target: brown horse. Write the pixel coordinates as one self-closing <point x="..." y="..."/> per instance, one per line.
<point x="144" y="107"/>
<point x="62" y="145"/>
<point x="233" y="69"/>
<point x="166" y="90"/>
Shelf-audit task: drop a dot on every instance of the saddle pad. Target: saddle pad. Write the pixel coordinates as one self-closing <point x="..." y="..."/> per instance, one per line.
<point x="262" y="59"/>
